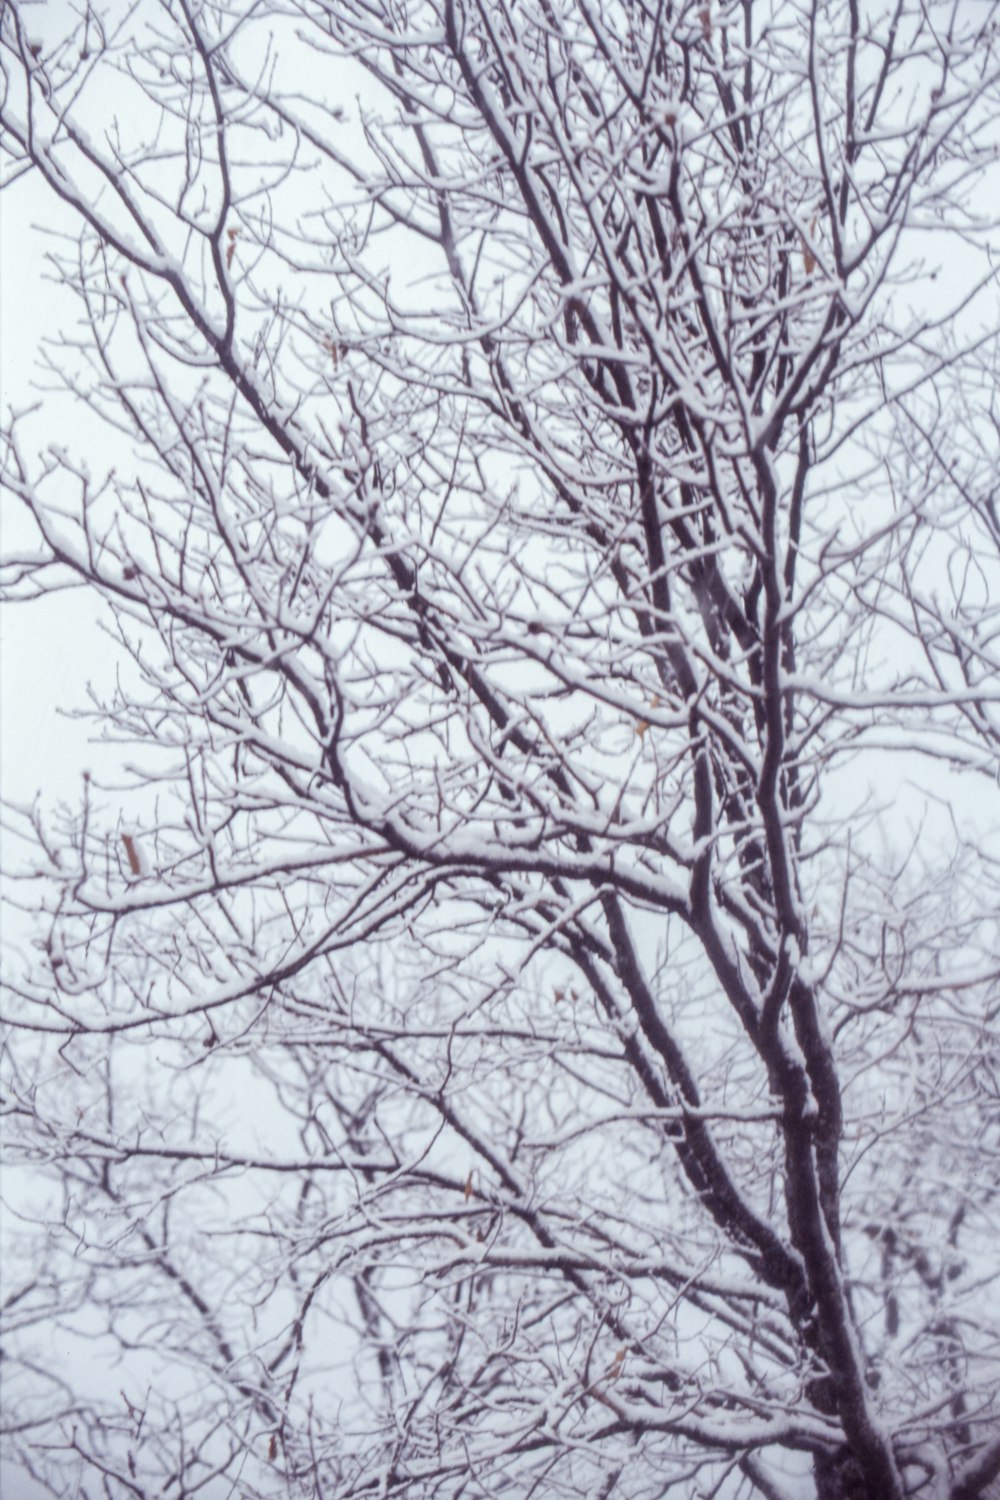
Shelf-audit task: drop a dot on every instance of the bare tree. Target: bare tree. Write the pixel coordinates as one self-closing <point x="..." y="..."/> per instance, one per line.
<point x="503" y="1031"/>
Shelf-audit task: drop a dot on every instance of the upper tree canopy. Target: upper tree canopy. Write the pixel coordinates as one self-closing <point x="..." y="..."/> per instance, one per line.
<point x="501" y="1027"/>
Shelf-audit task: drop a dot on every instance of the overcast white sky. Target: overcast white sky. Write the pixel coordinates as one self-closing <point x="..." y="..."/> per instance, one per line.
<point x="47" y="648"/>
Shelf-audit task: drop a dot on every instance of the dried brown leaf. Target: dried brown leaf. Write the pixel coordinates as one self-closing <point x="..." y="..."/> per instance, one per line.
<point x="134" y="862"/>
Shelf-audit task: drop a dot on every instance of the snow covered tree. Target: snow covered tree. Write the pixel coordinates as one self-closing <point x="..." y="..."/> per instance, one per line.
<point x="512" y="1009"/>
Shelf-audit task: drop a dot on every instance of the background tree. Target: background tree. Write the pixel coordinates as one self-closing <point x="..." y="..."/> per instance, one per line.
<point x="504" y="1030"/>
